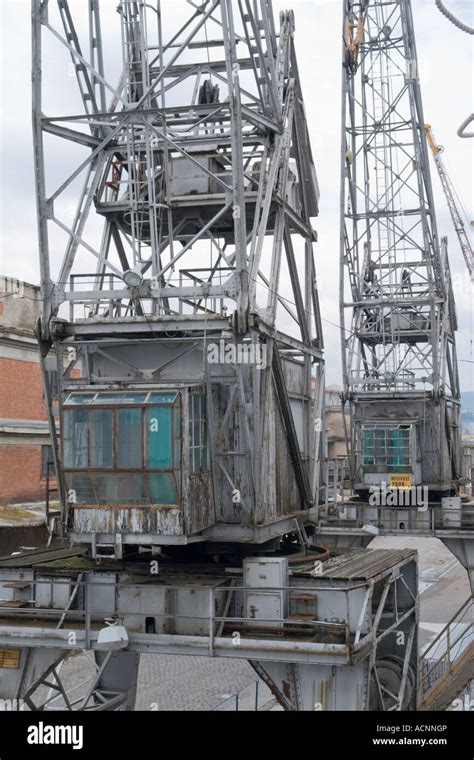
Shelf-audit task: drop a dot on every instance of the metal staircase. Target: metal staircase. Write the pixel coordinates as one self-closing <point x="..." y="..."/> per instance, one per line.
<point x="447" y="665"/>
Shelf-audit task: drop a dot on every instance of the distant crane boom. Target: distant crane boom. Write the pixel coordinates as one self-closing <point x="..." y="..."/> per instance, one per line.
<point x="449" y="192"/>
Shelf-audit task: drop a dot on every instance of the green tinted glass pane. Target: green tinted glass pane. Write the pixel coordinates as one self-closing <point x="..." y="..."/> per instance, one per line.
<point x="162" y="398"/>
<point x="120" y="398"/>
<point x="162" y="488"/>
<point x="120" y="488"/>
<point x="177" y="421"/>
<point x="101" y="438"/>
<point x="129" y="438"/>
<point x="79" y="488"/>
<point x="177" y="453"/>
<point x="368" y="446"/>
<point x="79" y="398"/>
<point x="399" y="450"/>
<point x="75" y="438"/>
<point x="159" y="441"/>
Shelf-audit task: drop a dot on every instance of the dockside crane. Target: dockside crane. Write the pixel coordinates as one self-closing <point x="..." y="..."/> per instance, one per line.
<point x="200" y="176"/>
<point x="450" y="194"/>
<point x="190" y="388"/>
<point x="397" y="310"/>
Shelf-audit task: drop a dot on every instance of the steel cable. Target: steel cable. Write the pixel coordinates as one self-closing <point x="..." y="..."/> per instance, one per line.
<point x="469" y="30"/>
<point x="451" y="17"/>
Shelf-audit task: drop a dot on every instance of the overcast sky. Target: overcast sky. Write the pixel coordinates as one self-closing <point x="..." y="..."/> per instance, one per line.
<point x="446" y="65"/>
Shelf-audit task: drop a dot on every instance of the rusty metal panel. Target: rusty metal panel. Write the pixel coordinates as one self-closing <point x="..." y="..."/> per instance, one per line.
<point x="199" y="513"/>
<point x="137" y="604"/>
<point x="266" y="510"/>
<point x="166" y="522"/>
<point x="293" y="372"/>
<point x="288" y="495"/>
<point x="225" y="439"/>
<point x="280" y="495"/>
<point x="189" y="603"/>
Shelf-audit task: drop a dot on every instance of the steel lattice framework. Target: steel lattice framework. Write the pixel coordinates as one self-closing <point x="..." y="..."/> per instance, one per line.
<point x="198" y="167"/>
<point x="397" y="311"/>
<point x="253" y="129"/>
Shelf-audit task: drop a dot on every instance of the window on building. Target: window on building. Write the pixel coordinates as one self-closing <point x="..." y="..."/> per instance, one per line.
<point x="123" y="448"/>
<point x="387" y="446"/>
<point x="75" y="439"/>
<point x="198" y="449"/>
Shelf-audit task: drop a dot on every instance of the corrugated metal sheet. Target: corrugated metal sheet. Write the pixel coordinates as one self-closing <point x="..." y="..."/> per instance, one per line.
<point x="365" y="564"/>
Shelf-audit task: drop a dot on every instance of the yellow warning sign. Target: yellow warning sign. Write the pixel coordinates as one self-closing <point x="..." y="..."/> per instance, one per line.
<point x="9" y="658"/>
<point x="400" y="480"/>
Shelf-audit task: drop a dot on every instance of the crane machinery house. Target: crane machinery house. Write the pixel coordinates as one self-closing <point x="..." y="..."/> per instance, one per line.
<point x="189" y="388"/>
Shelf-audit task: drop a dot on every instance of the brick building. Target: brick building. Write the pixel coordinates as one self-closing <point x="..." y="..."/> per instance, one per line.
<point x="24" y="435"/>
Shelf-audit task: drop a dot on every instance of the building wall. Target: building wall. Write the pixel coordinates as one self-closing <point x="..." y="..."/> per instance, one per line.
<point x="20" y="473"/>
<point x="21" y="390"/>
<point x="23" y="419"/>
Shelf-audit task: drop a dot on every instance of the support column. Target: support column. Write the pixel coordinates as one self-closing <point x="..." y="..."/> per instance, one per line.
<point x="119" y="675"/>
<point x="463" y="550"/>
<point x="112" y="687"/>
<point x="317" y="688"/>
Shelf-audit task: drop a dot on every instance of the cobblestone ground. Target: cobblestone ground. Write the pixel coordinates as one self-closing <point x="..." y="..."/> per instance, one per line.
<point x="171" y="682"/>
<point x="197" y="683"/>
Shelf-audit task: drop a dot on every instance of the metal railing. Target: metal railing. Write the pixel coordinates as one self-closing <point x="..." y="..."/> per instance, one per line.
<point x="445" y="651"/>
<point x="246" y="698"/>
<point x="78" y="612"/>
<point x="348" y="514"/>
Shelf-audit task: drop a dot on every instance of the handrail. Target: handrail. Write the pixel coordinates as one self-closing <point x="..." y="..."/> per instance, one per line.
<point x="428" y="521"/>
<point x="449" y="642"/>
<point x="468" y="601"/>
<point x="237" y="695"/>
<point x="83" y="615"/>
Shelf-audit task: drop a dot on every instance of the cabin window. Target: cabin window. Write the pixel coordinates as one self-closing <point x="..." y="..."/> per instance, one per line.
<point x="387" y="446"/>
<point x="123" y="448"/>
<point x="198" y="448"/>
<point x="129" y="438"/>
